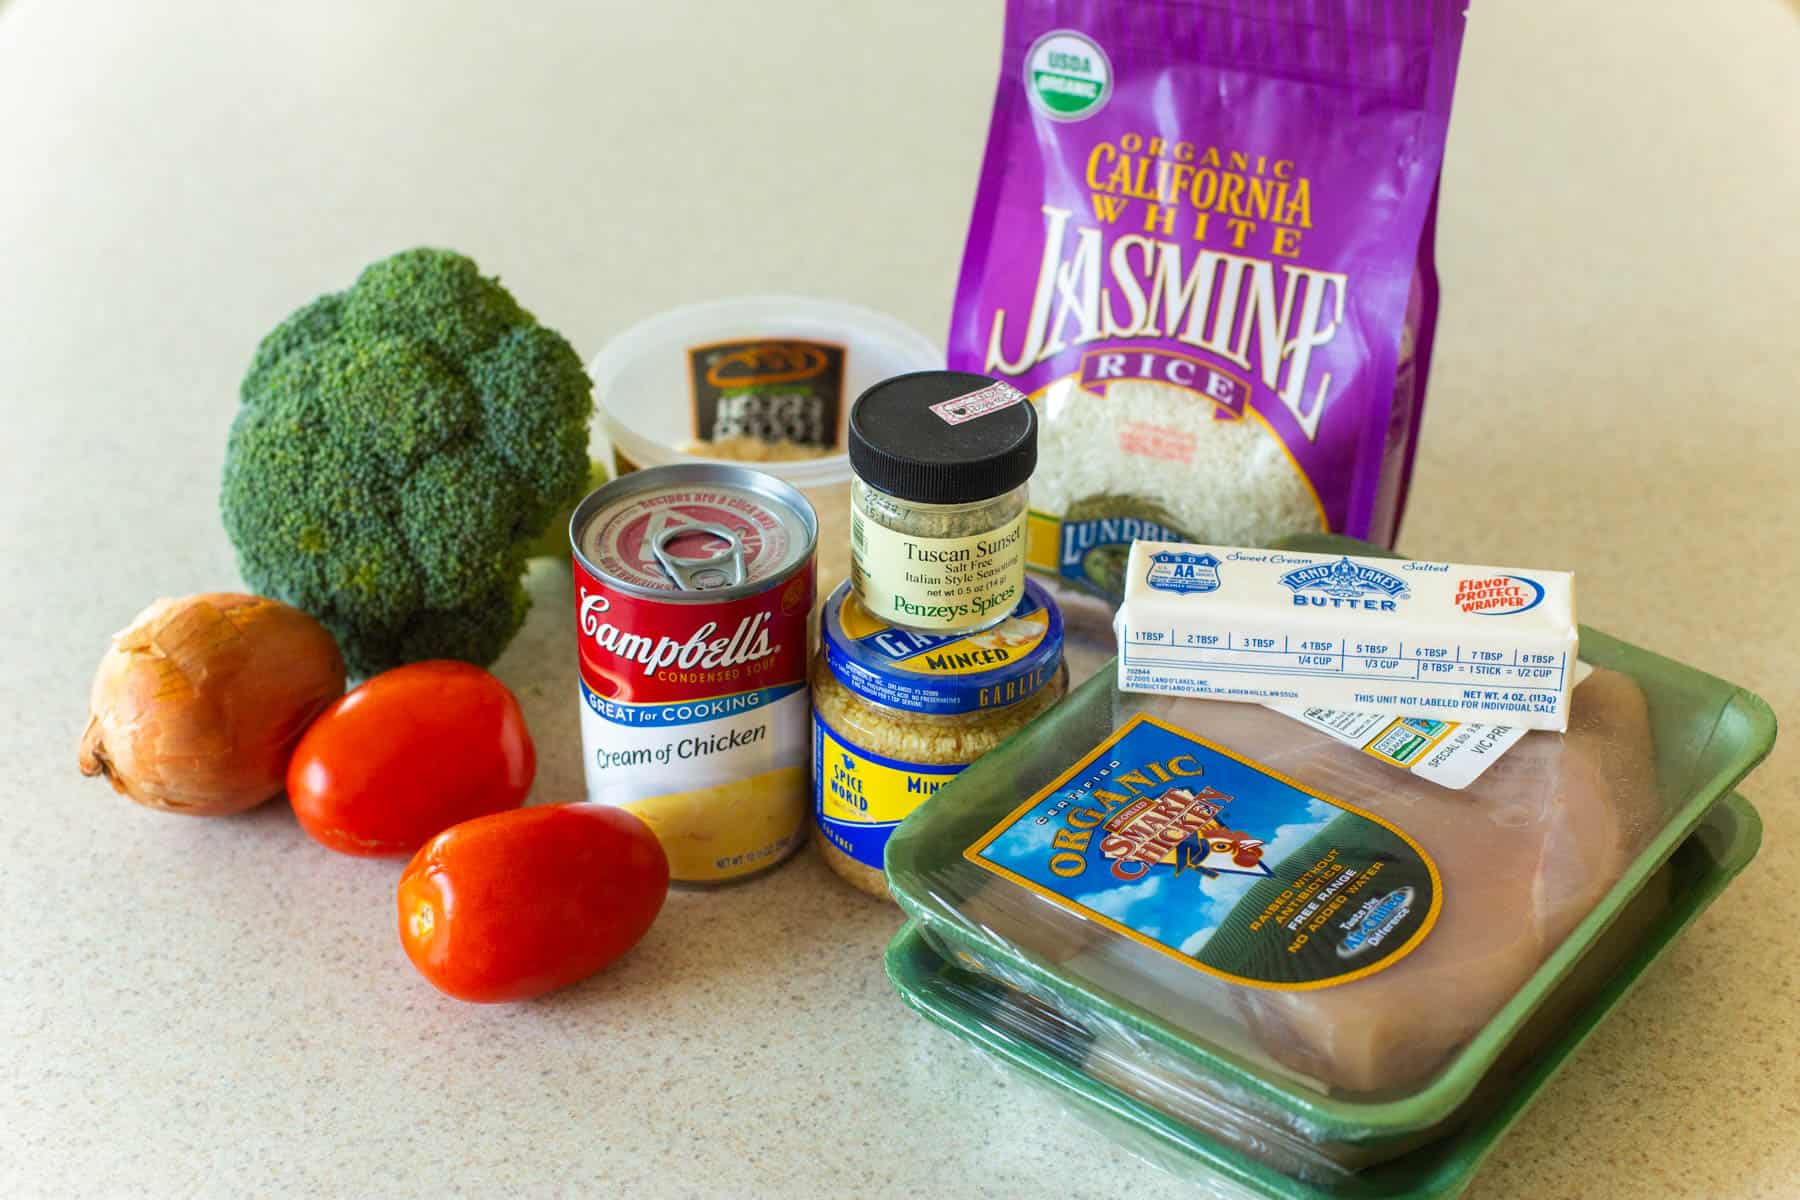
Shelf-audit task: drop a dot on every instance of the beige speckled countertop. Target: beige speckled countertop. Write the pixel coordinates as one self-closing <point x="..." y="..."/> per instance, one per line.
<point x="219" y="1008"/>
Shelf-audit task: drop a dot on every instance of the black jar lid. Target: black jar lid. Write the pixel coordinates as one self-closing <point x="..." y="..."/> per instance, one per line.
<point x="943" y="437"/>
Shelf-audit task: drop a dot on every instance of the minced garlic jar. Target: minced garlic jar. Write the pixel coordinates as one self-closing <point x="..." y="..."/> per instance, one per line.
<point x="897" y="714"/>
<point x="937" y="505"/>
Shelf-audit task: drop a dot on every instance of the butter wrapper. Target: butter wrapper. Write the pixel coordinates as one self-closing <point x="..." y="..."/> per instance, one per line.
<point x="1423" y="639"/>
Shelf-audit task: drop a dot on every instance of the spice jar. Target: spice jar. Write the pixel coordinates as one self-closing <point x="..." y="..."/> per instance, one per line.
<point x="937" y="501"/>
<point x="897" y="714"/>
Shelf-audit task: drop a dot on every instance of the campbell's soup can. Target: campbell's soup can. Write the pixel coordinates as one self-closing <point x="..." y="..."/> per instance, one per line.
<point x="693" y="593"/>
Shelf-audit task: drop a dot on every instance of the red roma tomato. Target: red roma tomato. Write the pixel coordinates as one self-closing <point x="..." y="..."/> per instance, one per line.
<point x="409" y="754"/>
<point x="521" y="903"/>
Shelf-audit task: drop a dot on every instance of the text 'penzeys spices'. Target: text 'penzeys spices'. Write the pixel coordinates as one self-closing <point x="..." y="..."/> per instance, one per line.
<point x="937" y="518"/>
<point x="693" y="592"/>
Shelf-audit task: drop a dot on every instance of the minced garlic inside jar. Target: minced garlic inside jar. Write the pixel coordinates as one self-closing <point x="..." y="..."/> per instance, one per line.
<point x="896" y="715"/>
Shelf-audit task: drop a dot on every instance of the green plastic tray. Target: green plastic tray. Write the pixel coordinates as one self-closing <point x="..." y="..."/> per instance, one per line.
<point x="1720" y="846"/>
<point x="1708" y="735"/>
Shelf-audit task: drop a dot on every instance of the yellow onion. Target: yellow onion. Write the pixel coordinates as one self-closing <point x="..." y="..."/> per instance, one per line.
<point x="198" y="704"/>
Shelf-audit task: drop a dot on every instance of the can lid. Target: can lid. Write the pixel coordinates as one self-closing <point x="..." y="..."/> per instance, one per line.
<point x="699" y="532"/>
<point x="943" y="674"/>
<point x="943" y="437"/>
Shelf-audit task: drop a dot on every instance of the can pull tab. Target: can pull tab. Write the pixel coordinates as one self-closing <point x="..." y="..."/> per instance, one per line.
<point x="722" y="568"/>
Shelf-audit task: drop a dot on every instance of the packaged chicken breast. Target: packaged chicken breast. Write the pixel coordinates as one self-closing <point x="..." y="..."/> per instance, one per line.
<point x="1076" y="1064"/>
<point x="1288" y="943"/>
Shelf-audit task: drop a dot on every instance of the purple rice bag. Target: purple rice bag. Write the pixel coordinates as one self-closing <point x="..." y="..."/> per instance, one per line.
<point x="1202" y="243"/>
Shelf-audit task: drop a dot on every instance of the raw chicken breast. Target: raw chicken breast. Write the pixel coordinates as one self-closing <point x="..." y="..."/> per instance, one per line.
<point x="1524" y="854"/>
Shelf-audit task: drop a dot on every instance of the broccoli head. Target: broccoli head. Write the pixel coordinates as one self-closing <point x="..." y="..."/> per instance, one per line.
<point x="398" y="447"/>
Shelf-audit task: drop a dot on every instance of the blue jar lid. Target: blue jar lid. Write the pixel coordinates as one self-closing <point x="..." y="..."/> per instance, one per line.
<point x="944" y="674"/>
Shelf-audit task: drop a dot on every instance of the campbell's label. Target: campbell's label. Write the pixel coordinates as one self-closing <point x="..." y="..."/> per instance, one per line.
<point x="649" y="662"/>
<point x="694" y="709"/>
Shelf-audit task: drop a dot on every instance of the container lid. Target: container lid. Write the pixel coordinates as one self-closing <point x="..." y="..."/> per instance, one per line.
<point x="943" y="437"/>
<point x="943" y="674"/>
<point x="710" y="530"/>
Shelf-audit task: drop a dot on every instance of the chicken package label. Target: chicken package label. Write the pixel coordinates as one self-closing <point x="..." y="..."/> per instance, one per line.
<point x="1449" y="753"/>
<point x="1219" y="863"/>
<point x="1423" y="639"/>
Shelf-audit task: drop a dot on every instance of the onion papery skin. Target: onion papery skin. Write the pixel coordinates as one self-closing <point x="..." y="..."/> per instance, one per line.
<point x="198" y="703"/>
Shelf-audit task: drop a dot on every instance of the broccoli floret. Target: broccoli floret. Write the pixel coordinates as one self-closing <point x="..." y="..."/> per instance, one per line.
<point x="397" y="449"/>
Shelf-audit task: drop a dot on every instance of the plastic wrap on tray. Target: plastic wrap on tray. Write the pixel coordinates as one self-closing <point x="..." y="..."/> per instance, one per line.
<point x="1115" y="1055"/>
<point x="1436" y="920"/>
<point x="1237" y="1158"/>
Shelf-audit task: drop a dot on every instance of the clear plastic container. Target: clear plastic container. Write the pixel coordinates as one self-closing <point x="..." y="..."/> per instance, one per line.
<point x="657" y="405"/>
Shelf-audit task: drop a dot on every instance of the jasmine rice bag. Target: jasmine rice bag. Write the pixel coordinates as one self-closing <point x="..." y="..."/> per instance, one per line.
<point x="1202" y="243"/>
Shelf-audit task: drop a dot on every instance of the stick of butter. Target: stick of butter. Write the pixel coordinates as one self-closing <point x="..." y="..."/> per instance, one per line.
<point x="1424" y="639"/>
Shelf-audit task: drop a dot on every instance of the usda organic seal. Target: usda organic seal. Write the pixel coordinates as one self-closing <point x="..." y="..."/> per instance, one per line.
<point x="1067" y="76"/>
